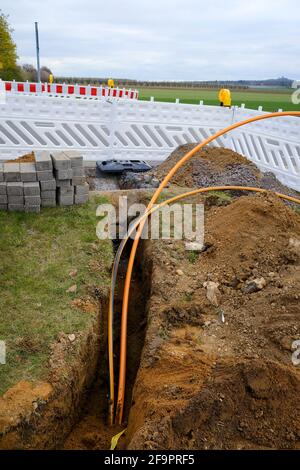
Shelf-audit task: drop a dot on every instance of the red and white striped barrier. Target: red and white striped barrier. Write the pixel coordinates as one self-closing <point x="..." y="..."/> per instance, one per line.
<point x="83" y="91"/>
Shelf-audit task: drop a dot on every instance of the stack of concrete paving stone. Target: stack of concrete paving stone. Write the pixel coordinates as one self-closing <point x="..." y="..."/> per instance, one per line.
<point x="46" y="179"/>
<point x="16" y="178"/>
<point x="70" y="179"/>
<point x="52" y="179"/>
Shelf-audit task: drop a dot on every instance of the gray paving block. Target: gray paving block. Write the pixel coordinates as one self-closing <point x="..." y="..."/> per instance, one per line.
<point x="43" y="160"/>
<point x="46" y="175"/>
<point x="48" y="194"/>
<point x="28" y="171"/>
<point x="3" y="199"/>
<point x="63" y="183"/>
<point x="32" y="200"/>
<point x="1" y="172"/>
<point x="61" y="161"/>
<point x="48" y="203"/>
<point x="11" y="172"/>
<point x="32" y="189"/>
<point x="81" y="198"/>
<point x="78" y="172"/>
<point x="65" y="191"/>
<point x="78" y="180"/>
<point x="82" y="189"/>
<point x="16" y="200"/>
<point x="65" y="200"/>
<point x="15" y="188"/>
<point x="63" y="174"/>
<point x="3" y="207"/>
<point x="33" y="209"/>
<point x="75" y="157"/>
<point x="16" y="207"/>
<point x="3" y="188"/>
<point x="48" y="185"/>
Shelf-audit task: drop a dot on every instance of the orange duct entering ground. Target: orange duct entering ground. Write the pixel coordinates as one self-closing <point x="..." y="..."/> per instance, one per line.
<point x="123" y="345"/>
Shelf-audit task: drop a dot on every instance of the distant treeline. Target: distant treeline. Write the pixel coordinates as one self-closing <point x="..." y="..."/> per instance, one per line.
<point x="125" y="82"/>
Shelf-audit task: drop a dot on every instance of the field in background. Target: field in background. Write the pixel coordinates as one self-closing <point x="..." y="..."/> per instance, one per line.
<point x="269" y="99"/>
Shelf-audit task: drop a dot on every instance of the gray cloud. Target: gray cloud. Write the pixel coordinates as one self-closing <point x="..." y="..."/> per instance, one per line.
<point x="166" y="39"/>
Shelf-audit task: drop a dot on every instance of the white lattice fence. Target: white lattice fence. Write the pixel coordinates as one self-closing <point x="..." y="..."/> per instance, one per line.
<point x="147" y="130"/>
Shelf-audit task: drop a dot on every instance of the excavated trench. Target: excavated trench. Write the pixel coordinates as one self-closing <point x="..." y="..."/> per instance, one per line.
<point x="92" y="430"/>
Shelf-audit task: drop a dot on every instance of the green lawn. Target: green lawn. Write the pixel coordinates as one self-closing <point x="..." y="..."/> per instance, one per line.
<point x="38" y="252"/>
<point x="271" y="100"/>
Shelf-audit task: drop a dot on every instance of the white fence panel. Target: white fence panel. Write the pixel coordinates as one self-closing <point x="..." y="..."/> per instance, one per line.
<point x="103" y="129"/>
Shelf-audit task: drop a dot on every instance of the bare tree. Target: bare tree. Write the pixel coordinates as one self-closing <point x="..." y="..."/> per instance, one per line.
<point x="29" y="72"/>
<point x="45" y="74"/>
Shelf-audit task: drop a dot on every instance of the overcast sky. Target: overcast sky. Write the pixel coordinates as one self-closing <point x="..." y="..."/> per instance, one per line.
<point x="161" y="39"/>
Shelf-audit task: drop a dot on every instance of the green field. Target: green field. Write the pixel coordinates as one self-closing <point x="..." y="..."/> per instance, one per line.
<point x="269" y="99"/>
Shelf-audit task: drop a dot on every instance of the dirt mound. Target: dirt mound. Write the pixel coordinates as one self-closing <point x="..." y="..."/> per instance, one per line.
<point x="27" y="158"/>
<point x="249" y="232"/>
<point x="221" y="375"/>
<point x="206" y="163"/>
<point x="210" y="166"/>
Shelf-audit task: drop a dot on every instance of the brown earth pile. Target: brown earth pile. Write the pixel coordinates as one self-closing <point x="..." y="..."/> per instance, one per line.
<point x="214" y="166"/>
<point x="221" y="376"/>
<point x="27" y="158"/>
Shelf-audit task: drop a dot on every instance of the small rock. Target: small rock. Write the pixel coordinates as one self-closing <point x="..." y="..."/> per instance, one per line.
<point x="286" y="343"/>
<point x="72" y="337"/>
<point x="222" y="316"/>
<point x="254" y="286"/>
<point x="73" y="273"/>
<point x="212" y="292"/>
<point x="72" y="289"/>
<point x="155" y="183"/>
<point x="294" y="243"/>
<point x="179" y="272"/>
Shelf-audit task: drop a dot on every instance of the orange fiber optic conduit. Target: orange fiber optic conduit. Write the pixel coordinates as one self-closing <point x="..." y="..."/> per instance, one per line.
<point x="123" y="345"/>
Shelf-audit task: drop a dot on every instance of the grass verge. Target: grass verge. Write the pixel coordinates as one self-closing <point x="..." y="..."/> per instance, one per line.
<point x="38" y="253"/>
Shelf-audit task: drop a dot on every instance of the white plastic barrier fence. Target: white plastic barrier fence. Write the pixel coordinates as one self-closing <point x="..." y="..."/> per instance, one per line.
<point x="131" y="129"/>
<point x="63" y="89"/>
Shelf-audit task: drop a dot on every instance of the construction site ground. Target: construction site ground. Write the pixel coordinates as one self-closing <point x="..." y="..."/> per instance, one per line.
<point x="210" y="339"/>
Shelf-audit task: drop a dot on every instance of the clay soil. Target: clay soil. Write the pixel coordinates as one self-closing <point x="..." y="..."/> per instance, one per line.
<point x="208" y="376"/>
<point x="221" y="376"/>
<point x="92" y="430"/>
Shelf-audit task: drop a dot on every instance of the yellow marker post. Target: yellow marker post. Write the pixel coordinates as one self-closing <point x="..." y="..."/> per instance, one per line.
<point x="225" y="97"/>
<point x="51" y="78"/>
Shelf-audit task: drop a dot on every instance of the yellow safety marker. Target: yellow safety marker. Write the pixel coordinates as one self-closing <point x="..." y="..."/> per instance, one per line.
<point x="225" y="97"/>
